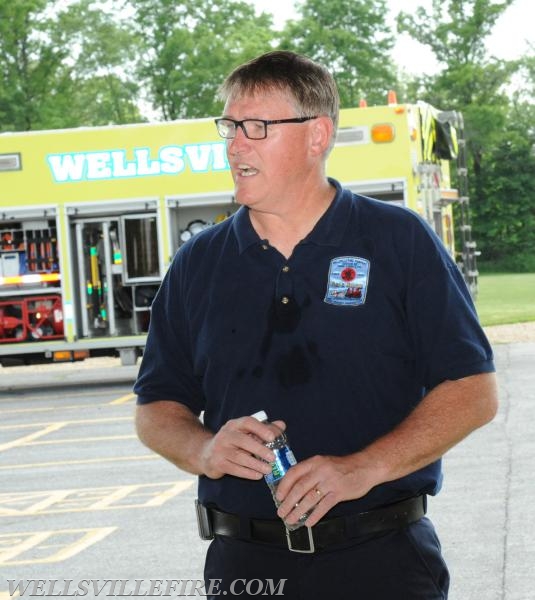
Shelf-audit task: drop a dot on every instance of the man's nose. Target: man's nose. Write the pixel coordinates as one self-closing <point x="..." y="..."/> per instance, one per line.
<point x="239" y="141"/>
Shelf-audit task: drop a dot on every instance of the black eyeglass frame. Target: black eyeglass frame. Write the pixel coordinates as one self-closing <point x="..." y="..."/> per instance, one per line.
<point x="265" y="122"/>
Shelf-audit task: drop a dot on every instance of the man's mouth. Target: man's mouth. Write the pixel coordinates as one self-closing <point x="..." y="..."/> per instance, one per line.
<point x="244" y="170"/>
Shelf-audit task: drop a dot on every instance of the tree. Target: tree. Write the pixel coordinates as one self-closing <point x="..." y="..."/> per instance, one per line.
<point x="188" y="48"/>
<point x="30" y="64"/>
<point x="352" y="39"/>
<point x="470" y="82"/>
<point x="505" y="223"/>
<point x="62" y="68"/>
<point x="455" y="30"/>
<point x="101" y="63"/>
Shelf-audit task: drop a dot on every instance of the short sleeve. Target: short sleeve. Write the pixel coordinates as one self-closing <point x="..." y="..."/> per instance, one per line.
<point x="166" y="371"/>
<point x="450" y="341"/>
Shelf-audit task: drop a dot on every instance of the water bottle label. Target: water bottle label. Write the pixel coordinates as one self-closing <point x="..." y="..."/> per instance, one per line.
<point x="284" y="459"/>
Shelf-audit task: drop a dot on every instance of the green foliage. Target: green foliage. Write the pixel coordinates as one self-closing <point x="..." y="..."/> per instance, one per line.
<point x="189" y="47"/>
<point x="352" y="39"/>
<point x="62" y="68"/>
<point x="499" y="160"/>
<point x="470" y="82"/>
<point x="92" y="62"/>
<point x="505" y="221"/>
<point x="101" y="59"/>
<point x="30" y="64"/>
<point x="511" y="263"/>
<point x="455" y="30"/>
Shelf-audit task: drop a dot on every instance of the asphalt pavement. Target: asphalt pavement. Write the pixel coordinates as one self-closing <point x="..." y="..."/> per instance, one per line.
<point x="485" y="513"/>
<point x="94" y="371"/>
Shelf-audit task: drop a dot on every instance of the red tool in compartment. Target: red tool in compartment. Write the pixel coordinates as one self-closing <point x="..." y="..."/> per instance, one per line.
<point x="31" y="319"/>
<point x="44" y="317"/>
<point x="12" y="321"/>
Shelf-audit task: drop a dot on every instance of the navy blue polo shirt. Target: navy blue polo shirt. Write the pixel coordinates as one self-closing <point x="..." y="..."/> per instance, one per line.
<point x="341" y="341"/>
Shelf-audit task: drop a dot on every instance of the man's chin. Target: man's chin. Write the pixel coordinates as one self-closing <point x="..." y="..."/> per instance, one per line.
<point x="244" y="198"/>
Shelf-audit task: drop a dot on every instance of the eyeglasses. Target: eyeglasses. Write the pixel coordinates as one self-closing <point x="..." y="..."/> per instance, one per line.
<point x="254" y="129"/>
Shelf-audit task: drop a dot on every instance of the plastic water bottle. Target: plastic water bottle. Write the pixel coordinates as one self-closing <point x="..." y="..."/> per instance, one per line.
<point x="284" y="459"/>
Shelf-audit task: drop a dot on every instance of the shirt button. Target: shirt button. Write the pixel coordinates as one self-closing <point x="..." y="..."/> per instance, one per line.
<point x="265" y="247"/>
<point x="285" y="299"/>
<point x="286" y="268"/>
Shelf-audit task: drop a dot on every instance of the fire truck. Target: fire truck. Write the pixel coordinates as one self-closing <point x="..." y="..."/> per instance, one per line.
<point x="90" y="218"/>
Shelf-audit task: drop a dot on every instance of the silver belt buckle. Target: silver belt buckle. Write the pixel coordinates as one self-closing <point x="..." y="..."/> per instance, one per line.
<point x="310" y="539"/>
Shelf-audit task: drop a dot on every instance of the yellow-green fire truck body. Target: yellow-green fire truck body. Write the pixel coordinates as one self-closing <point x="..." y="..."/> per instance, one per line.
<point x="90" y="218"/>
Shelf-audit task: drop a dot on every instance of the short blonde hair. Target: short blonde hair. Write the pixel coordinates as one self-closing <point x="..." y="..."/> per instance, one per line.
<point x="309" y="84"/>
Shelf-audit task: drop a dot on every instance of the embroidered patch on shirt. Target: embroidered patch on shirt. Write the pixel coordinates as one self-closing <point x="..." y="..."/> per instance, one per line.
<point x="348" y="281"/>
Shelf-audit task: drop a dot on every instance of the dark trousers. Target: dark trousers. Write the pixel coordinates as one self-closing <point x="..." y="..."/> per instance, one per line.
<point x="405" y="564"/>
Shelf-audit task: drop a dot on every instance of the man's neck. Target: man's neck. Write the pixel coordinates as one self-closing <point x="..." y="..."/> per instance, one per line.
<point x="286" y="228"/>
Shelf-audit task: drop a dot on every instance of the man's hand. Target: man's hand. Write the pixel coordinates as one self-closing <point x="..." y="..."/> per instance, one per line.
<point x="237" y="449"/>
<point x="442" y="419"/>
<point x="321" y="482"/>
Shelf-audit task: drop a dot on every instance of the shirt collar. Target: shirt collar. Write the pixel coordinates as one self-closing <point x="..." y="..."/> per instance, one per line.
<point x="244" y="230"/>
<point x="328" y="231"/>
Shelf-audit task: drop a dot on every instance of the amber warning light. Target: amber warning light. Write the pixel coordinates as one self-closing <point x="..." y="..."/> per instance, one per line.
<point x="382" y="133"/>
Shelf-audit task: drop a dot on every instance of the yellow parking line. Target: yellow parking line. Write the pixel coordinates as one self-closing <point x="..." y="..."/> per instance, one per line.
<point x="123" y="399"/>
<point x="91" y="537"/>
<point x="118" y="494"/>
<point x="72" y="393"/>
<point x="36" y="409"/>
<point x="35" y="541"/>
<point x="97" y="438"/>
<point x="32" y="436"/>
<point x="178" y="488"/>
<point x="53" y="498"/>
<point x="70" y="422"/>
<point x="29" y="542"/>
<point x="78" y="462"/>
<point x="13" y="504"/>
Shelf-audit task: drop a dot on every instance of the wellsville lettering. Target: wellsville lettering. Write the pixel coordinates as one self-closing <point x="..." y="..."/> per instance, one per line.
<point x="73" y="167"/>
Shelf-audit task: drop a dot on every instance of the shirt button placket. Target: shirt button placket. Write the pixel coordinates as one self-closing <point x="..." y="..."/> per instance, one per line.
<point x="285" y="285"/>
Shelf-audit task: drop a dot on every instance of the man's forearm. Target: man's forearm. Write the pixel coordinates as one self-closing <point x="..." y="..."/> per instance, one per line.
<point x="442" y="419"/>
<point x="174" y="432"/>
<point x="445" y="416"/>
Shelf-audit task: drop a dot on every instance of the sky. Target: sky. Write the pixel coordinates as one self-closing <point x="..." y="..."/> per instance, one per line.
<point x="508" y="40"/>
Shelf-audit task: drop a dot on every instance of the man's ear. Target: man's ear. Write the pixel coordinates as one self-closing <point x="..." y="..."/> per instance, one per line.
<point x="321" y="133"/>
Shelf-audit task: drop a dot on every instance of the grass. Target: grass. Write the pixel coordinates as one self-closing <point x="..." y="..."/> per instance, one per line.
<point x="506" y="298"/>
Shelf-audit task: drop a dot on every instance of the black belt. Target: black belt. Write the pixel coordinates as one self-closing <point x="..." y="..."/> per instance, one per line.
<point x="327" y="532"/>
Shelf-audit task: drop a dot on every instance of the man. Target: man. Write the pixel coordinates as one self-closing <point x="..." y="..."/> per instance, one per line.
<point x="341" y="316"/>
